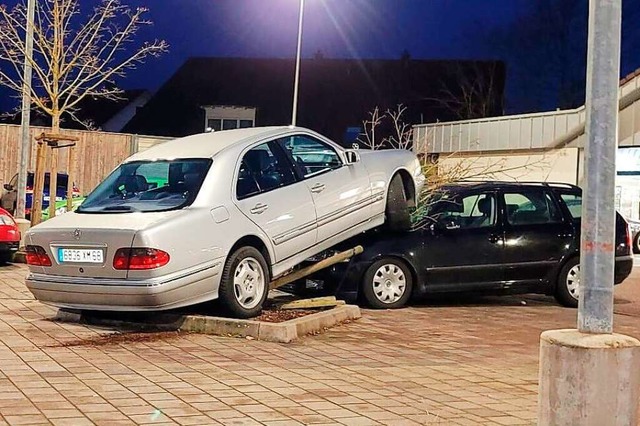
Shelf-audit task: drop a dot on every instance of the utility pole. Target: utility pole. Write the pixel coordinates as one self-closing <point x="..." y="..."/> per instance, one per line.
<point x="591" y="376"/>
<point x="296" y="83"/>
<point x="25" y="142"/>
<point x="595" y="312"/>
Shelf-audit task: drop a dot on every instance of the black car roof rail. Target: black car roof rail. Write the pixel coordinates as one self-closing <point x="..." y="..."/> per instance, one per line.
<point x="517" y="183"/>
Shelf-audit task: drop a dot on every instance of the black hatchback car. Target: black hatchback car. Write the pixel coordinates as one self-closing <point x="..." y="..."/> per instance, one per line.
<point x="476" y="237"/>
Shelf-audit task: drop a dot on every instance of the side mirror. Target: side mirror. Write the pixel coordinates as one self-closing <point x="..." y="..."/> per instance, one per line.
<point x="8" y="187"/>
<point x="352" y="156"/>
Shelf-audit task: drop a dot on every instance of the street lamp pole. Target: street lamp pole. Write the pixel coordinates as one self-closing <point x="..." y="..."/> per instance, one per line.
<point x="296" y="83"/>
<point x="23" y="157"/>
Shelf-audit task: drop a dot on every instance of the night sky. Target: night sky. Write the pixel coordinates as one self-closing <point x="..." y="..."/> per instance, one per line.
<point x="428" y="29"/>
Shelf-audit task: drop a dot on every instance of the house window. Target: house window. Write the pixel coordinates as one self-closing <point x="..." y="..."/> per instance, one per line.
<point x="246" y="123"/>
<point x="214" y="124"/>
<point x="229" y="124"/>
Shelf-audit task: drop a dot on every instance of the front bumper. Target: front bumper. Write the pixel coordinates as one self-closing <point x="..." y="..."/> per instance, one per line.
<point x="126" y="295"/>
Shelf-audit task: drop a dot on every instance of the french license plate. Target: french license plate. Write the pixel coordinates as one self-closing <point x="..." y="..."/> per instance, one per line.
<point x="80" y="256"/>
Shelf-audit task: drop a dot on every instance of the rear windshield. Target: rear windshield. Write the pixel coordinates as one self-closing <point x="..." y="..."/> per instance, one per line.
<point x="148" y="186"/>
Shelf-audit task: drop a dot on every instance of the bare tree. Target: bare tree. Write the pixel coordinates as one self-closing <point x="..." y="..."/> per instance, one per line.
<point x="386" y="130"/>
<point x="475" y="92"/>
<point x="73" y="57"/>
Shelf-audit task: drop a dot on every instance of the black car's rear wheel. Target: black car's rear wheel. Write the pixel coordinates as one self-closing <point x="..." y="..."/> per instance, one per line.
<point x="387" y="284"/>
<point x="398" y="211"/>
<point x="568" y="286"/>
<point x="245" y="283"/>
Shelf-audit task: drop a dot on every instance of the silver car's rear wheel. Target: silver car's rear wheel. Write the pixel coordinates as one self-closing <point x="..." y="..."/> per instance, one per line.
<point x="249" y="283"/>
<point x="245" y="283"/>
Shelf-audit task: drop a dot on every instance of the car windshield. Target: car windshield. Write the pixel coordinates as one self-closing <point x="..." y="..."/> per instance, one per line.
<point x="148" y="186"/>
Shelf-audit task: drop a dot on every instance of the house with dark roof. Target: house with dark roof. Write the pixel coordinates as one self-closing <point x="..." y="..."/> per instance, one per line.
<point x="336" y="95"/>
<point x="108" y="115"/>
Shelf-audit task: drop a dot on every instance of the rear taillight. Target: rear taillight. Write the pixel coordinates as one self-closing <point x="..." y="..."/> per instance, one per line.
<point x="629" y="239"/>
<point x="36" y="256"/>
<point x="139" y="259"/>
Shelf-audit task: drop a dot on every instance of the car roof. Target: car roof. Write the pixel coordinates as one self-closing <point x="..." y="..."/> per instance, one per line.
<point x="497" y="185"/>
<point x="207" y="145"/>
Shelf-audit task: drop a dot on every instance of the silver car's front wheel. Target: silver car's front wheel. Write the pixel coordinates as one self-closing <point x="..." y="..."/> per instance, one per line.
<point x="249" y="283"/>
<point x="245" y="283"/>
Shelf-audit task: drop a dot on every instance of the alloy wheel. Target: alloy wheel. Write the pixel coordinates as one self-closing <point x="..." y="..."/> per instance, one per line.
<point x="249" y="283"/>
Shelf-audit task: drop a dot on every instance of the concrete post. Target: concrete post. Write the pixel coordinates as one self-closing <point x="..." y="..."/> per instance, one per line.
<point x="588" y="379"/>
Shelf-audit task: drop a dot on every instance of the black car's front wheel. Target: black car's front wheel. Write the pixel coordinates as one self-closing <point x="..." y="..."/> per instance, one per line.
<point x="636" y="244"/>
<point x="387" y="284"/>
<point x="245" y="283"/>
<point x="568" y="286"/>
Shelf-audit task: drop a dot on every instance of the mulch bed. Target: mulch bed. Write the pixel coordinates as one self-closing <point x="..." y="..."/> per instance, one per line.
<point x="282" y="315"/>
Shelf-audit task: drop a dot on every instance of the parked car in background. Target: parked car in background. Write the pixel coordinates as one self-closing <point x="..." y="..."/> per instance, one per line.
<point x="477" y="237"/>
<point x="10" y="194"/>
<point x="216" y="215"/>
<point x="9" y="236"/>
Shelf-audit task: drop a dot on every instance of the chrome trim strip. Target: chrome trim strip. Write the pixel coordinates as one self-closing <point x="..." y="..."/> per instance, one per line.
<point x="151" y="282"/>
<point x="328" y="218"/>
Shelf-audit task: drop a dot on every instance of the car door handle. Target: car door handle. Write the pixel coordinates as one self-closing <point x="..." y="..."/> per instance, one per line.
<point x="317" y="188"/>
<point x="259" y="208"/>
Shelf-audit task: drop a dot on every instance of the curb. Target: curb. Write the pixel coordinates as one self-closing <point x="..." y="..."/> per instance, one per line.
<point x="283" y="332"/>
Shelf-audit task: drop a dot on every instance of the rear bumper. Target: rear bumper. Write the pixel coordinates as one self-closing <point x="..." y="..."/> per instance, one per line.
<point x="624" y="265"/>
<point x="126" y="295"/>
<point x="9" y="246"/>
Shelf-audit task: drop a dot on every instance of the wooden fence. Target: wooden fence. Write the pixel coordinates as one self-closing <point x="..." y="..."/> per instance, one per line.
<point x="98" y="153"/>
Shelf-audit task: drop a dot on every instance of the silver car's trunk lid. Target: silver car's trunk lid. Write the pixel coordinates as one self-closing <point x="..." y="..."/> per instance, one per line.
<point x="84" y="245"/>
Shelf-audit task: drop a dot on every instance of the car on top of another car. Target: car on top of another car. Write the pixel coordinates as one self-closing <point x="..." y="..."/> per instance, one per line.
<point x="216" y="216"/>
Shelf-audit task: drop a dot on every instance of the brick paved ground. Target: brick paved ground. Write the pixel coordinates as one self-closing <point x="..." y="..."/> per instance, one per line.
<point x="459" y="363"/>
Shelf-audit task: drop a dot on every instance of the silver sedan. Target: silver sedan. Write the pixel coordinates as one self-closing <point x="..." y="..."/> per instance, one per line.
<point x="216" y="215"/>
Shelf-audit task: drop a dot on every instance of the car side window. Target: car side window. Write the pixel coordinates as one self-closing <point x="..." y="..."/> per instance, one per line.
<point x="311" y="156"/>
<point x="573" y="203"/>
<point x="465" y="211"/>
<point x="263" y="168"/>
<point x="531" y="207"/>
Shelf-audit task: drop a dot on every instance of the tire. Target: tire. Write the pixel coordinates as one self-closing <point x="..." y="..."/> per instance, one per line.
<point x="636" y="244"/>
<point x="5" y="257"/>
<point x="398" y="213"/>
<point x="568" y="285"/>
<point x="254" y="281"/>
<point x="387" y="284"/>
